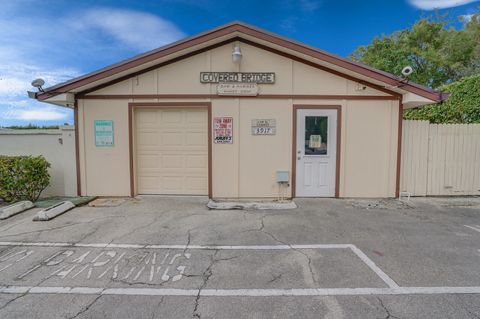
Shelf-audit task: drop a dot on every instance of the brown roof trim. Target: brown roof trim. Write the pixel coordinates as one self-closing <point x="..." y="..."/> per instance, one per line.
<point x="246" y="29"/>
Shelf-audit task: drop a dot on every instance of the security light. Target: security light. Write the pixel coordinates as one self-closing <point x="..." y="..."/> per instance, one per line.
<point x="38" y="83"/>
<point x="236" y="54"/>
<point x="406" y="71"/>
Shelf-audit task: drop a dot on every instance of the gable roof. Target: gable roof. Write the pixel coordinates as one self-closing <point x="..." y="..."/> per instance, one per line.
<point x="238" y="30"/>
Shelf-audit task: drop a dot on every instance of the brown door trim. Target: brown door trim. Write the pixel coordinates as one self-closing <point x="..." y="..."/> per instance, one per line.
<point x="338" y="108"/>
<point x="131" y="109"/>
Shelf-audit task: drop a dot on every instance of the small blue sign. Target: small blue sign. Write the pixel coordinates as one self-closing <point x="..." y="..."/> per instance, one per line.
<point x="103" y="133"/>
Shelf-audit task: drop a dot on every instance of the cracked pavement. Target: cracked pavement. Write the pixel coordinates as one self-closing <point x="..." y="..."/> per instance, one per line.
<point x="422" y="243"/>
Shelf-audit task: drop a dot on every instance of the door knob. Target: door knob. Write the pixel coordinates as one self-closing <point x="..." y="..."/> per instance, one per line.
<point x="299" y="158"/>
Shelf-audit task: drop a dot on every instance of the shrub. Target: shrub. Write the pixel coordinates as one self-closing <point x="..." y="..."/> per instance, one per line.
<point x="23" y="177"/>
<point x="462" y="106"/>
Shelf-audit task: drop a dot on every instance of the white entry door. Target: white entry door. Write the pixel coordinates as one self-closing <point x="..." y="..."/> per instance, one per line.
<point x="316" y="152"/>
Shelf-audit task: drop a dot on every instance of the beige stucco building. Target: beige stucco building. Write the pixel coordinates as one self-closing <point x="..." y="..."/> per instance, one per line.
<point x="238" y="112"/>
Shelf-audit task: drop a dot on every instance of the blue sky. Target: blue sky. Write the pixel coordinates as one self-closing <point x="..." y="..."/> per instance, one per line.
<point x="58" y="40"/>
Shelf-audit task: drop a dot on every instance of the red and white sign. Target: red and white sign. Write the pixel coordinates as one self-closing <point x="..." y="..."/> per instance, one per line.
<point x="223" y="130"/>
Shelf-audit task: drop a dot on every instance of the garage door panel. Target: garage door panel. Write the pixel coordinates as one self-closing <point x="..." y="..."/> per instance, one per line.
<point x="147" y="138"/>
<point x="147" y="117"/>
<point x="196" y="183"/>
<point x="171" y="117"/>
<point x="196" y="161"/>
<point x="148" y="161"/>
<point x="172" y="151"/>
<point x="148" y="183"/>
<point x="173" y="183"/>
<point x="172" y="139"/>
<point x="196" y="117"/>
<point x="195" y="139"/>
<point x="173" y="161"/>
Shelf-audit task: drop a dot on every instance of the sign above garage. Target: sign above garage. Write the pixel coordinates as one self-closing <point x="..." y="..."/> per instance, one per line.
<point x="238" y="77"/>
<point x="237" y="89"/>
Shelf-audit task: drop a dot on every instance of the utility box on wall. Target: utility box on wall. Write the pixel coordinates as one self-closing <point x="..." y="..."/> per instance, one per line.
<point x="283" y="176"/>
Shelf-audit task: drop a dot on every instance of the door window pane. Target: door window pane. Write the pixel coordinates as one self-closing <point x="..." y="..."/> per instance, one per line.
<point x="316" y="139"/>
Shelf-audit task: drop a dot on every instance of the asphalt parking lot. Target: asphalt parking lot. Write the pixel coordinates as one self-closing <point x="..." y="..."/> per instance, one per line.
<point x="171" y="257"/>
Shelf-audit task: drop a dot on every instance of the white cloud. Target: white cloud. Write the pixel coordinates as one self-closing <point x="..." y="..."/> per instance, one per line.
<point x="36" y="113"/>
<point x="139" y="30"/>
<point x="467" y="18"/>
<point x="15" y="78"/>
<point x="438" y="4"/>
<point x="39" y="115"/>
<point x="45" y="46"/>
<point x="309" y="5"/>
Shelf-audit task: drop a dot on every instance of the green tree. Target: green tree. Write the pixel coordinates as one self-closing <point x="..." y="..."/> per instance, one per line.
<point x="438" y="53"/>
<point x="462" y="106"/>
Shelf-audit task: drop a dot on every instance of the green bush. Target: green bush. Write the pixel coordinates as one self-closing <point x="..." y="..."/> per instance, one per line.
<point x="462" y="106"/>
<point x="23" y="177"/>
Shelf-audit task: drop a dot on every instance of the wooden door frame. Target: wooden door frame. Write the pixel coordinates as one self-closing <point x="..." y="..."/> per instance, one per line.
<point x="297" y="107"/>
<point x="163" y="105"/>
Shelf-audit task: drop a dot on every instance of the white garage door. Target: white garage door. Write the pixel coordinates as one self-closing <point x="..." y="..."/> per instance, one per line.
<point x="172" y="151"/>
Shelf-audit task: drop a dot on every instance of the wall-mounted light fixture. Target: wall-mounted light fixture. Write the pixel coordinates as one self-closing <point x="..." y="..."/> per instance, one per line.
<point x="236" y="54"/>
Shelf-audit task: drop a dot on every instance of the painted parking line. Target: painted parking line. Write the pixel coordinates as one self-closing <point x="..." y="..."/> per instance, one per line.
<point x="203" y="247"/>
<point x="393" y="287"/>
<point x="477" y="228"/>
<point x="240" y="292"/>
<point x="389" y="281"/>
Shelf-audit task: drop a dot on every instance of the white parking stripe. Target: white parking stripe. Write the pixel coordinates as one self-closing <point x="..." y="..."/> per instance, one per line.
<point x="203" y="247"/>
<point x="240" y="292"/>
<point x="389" y="281"/>
<point x="474" y="228"/>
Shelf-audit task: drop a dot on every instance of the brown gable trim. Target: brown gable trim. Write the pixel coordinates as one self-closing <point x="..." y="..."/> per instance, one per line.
<point x="262" y="96"/>
<point x="321" y="67"/>
<point x="134" y="62"/>
<point x="289" y="56"/>
<point x="251" y="31"/>
<point x="341" y="62"/>
<point x="156" y="66"/>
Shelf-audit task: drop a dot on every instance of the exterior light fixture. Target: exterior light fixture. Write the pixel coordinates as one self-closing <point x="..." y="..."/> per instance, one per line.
<point x="236" y="54"/>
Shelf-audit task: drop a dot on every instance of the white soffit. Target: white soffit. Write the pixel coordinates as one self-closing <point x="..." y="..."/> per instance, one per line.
<point x="63" y="99"/>
<point x="411" y="100"/>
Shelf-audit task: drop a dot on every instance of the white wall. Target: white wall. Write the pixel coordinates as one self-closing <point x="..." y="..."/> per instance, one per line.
<point x="58" y="148"/>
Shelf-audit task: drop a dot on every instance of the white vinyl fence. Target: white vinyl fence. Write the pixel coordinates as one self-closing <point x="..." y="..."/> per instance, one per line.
<point x="58" y="148"/>
<point x="440" y="159"/>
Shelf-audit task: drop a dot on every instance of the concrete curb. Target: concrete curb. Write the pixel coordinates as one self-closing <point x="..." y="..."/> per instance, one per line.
<point x="250" y="205"/>
<point x="15" y="209"/>
<point x="53" y="211"/>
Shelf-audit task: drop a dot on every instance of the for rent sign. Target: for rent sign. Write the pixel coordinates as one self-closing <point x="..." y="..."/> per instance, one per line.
<point x="223" y="130"/>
